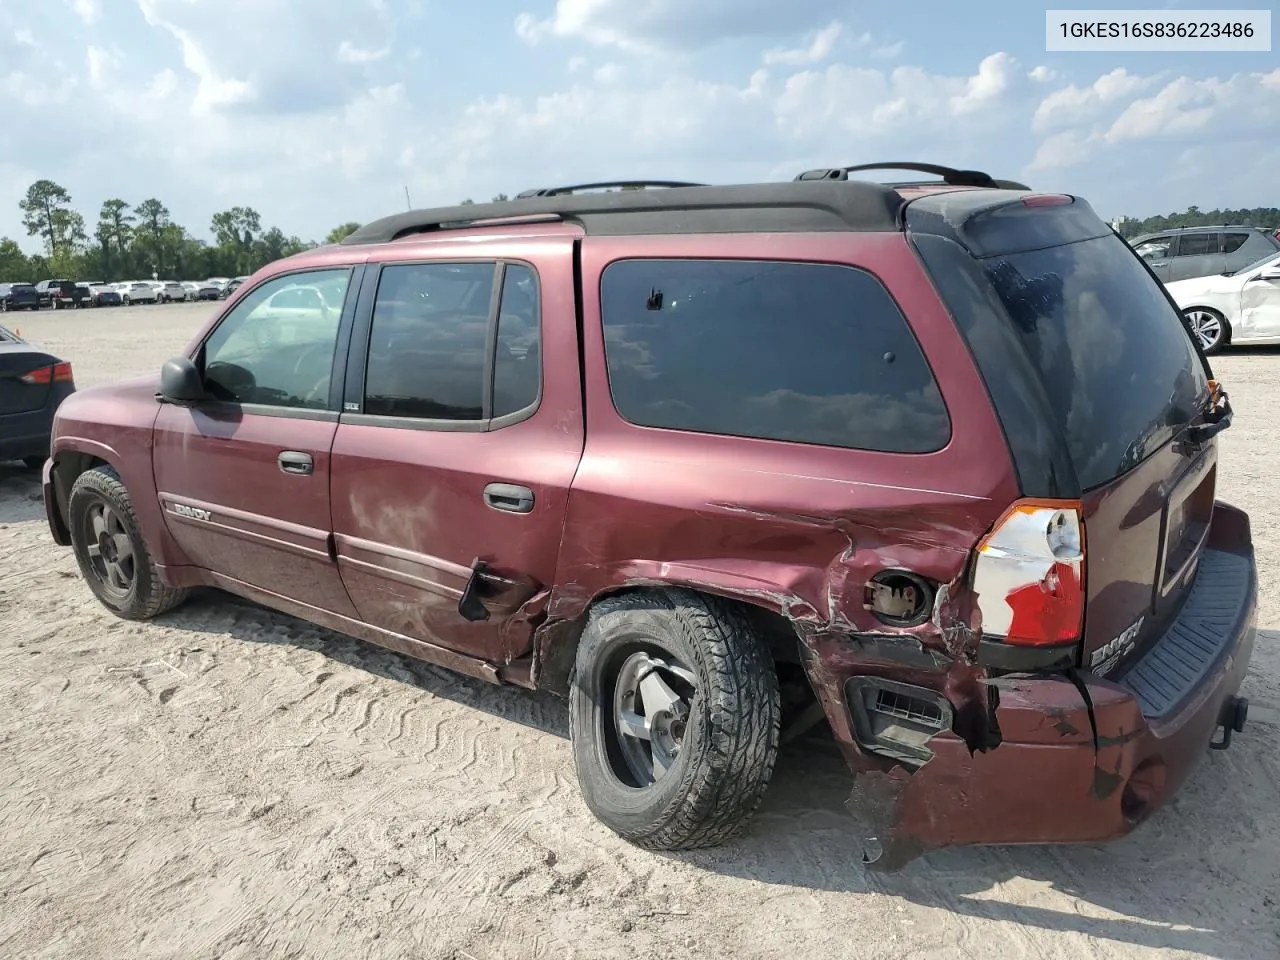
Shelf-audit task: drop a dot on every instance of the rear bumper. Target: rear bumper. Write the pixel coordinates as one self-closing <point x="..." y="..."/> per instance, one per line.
<point x="1080" y="758"/>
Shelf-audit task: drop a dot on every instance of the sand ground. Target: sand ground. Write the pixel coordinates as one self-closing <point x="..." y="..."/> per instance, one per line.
<point x="231" y="783"/>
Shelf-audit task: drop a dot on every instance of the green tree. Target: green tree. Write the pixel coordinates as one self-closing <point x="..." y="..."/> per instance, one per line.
<point x="14" y="264"/>
<point x="114" y="234"/>
<point x="341" y="232"/>
<point x="47" y="213"/>
<point x="500" y="197"/>
<point x="150" y="235"/>
<point x="235" y="231"/>
<point x="467" y="201"/>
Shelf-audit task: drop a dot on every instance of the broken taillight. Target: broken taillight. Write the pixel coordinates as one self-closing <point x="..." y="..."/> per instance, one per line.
<point x="57" y="373"/>
<point x="1029" y="574"/>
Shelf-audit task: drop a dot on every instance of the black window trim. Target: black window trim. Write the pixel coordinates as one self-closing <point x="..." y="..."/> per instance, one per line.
<point x="807" y="261"/>
<point x="355" y="276"/>
<point x="362" y="331"/>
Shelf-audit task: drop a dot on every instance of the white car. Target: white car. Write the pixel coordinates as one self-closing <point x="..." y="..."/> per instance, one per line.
<point x="171" y="292"/>
<point x="137" y="292"/>
<point x="1241" y="307"/>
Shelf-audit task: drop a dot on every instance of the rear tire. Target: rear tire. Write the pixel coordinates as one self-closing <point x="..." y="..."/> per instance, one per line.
<point x="1209" y="327"/>
<point x="109" y="548"/>
<point x="700" y="754"/>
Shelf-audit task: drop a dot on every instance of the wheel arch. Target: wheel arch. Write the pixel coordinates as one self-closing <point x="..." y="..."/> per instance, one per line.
<point x="556" y="641"/>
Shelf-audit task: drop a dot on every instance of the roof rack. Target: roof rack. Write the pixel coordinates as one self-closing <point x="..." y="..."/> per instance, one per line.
<point x="621" y="184"/>
<point x="950" y="175"/>
<point x="787" y="207"/>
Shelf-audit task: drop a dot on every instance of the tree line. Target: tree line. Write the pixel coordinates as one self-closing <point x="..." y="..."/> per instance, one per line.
<point x="1267" y="218"/>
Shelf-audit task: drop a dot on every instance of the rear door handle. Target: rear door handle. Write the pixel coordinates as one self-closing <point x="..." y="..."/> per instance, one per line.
<point x="510" y="497"/>
<point x="294" y="461"/>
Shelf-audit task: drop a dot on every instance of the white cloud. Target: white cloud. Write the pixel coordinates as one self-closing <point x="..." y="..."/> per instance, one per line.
<point x="1073" y="105"/>
<point x="890" y="51"/>
<point x="89" y="11"/>
<point x="654" y="25"/>
<point x="1043" y="74"/>
<point x="1066" y="149"/>
<point x="817" y="50"/>
<point x="994" y="77"/>
<point x="350" y="53"/>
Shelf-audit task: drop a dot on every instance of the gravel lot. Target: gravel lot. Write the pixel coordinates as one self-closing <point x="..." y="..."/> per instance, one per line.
<point x="228" y="782"/>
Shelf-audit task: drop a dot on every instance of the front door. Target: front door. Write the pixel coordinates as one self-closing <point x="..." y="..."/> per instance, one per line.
<point x="463" y="436"/>
<point x="243" y="478"/>
<point x="1260" y="303"/>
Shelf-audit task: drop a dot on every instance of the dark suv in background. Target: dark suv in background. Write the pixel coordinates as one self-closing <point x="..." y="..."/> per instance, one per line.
<point x="935" y="462"/>
<point x="1203" y="251"/>
<point x="18" y="296"/>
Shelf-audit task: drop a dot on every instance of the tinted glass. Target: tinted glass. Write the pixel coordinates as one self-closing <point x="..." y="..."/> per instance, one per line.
<point x="1197" y="244"/>
<point x="803" y="352"/>
<point x="1115" y="359"/>
<point x="517" y="366"/>
<point x="1231" y="242"/>
<point x="427" y="343"/>
<point x="264" y="354"/>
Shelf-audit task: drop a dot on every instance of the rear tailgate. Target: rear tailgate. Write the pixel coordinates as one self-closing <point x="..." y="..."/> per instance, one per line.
<point x="1097" y="381"/>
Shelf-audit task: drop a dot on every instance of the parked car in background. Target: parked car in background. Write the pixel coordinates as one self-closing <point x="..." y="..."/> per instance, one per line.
<point x="231" y="286"/>
<point x="60" y="294"/>
<point x="204" y="291"/>
<point x="1203" y="251"/>
<point x="18" y="296"/>
<point x="171" y="292"/>
<point x="676" y="454"/>
<point x="33" y="382"/>
<point x="1241" y="307"/>
<point x="66" y="294"/>
<point x="104" y="295"/>
<point x="137" y="291"/>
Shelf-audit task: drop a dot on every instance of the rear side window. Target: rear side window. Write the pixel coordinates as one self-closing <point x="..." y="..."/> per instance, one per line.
<point x="1231" y="242"/>
<point x="1197" y="244"/>
<point x="801" y="352"/>
<point x="429" y="346"/>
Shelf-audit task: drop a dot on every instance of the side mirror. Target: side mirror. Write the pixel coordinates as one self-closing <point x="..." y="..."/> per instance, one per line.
<point x="1271" y="273"/>
<point x="180" y="382"/>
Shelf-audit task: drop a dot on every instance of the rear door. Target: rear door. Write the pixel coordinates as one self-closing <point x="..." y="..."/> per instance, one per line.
<point x="460" y="434"/>
<point x="1100" y="358"/>
<point x="1197" y="255"/>
<point x="243" y="479"/>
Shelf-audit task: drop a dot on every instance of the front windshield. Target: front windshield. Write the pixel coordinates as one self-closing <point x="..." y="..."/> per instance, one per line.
<point x="1272" y="257"/>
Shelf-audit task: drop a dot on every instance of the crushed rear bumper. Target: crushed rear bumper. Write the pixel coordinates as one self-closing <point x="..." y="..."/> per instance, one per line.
<point x="1081" y="758"/>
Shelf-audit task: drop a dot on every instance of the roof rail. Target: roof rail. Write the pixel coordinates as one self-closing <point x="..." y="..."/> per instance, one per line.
<point x="950" y="175"/>
<point x="622" y="184"/>
<point x="732" y="208"/>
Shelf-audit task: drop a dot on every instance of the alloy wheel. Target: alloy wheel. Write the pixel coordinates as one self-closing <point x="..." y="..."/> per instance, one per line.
<point x="110" y="549"/>
<point x="651" y="705"/>
<point x="1206" y="326"/>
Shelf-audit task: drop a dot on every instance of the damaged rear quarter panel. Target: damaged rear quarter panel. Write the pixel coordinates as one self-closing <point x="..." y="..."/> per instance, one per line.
<point x="797" y="529"/>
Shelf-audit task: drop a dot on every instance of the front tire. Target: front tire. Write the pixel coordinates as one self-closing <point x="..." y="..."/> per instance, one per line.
<point x="674" y="714"/>
<point x="1209" y="327"/>
<point x="109" y="548"/>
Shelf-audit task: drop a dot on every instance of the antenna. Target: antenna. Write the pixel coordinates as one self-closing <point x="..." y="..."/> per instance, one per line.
<point x="407" y="202"/>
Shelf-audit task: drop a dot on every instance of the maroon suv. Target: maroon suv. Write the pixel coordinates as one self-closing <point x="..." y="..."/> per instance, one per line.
<point x="942" y="452"/>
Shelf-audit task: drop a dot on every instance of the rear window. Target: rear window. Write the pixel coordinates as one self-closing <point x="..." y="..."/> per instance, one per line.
<point x="1117" y="365"/>
<point x="1197" y="244"/>
<point x="801" y="352"/>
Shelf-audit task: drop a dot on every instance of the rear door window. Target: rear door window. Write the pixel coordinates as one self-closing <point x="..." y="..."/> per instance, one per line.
<point x="800" y="352"/>
<point x="430" y="349"/>
<point x="1197" y="244"/>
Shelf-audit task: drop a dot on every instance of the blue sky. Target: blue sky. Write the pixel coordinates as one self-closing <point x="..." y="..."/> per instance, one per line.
<point x="323" y="111"/>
